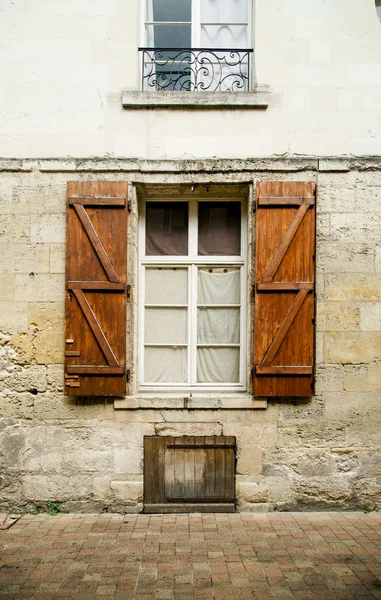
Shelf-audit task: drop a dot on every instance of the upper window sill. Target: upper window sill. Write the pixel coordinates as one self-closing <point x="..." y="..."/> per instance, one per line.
<point x="253" y="100"/>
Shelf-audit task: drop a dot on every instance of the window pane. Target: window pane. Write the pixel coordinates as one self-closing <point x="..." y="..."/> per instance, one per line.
<point x="218" y="365"/>
<point x="168" y="36"/>
<point x="221" y="11"/>
<point x="166" y="286"/>
<point x="166" y="228"/>
<point x="219" y="228"/>
<point x="166" y="325"/>
<point x="219" y="286"/>
<point x="169" y="10"/>
<point x="165" y="365"/>
<point x="218" y="326"/>
<point x="225" y="36"/>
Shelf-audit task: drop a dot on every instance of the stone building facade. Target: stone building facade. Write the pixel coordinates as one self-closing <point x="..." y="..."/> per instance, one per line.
<point x="72" y="109"/>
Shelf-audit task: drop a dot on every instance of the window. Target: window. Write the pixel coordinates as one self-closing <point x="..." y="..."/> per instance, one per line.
<point x="196" y="45"/>
<point x="193" y="294"/>
<point x="378" y="7"/>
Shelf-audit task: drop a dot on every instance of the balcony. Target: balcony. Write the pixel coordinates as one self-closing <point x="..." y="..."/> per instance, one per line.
<point x="195" y="69"/>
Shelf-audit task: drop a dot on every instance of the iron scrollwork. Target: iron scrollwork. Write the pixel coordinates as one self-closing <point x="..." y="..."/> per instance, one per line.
<point x="195" y="69"/>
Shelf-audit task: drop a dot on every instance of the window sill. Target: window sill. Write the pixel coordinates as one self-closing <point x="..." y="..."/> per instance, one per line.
<point x="252" y="100"/>
<point x="179" y="402"/>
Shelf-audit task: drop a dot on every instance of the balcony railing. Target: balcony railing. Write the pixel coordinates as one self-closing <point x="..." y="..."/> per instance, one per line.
<point x="195" y="69"/>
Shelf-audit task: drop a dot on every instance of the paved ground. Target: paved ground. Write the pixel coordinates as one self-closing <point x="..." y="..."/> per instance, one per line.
<point x="307" y="556"/>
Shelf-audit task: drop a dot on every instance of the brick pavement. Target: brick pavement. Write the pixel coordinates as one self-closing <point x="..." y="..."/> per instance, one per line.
<point x="276" y="556"/>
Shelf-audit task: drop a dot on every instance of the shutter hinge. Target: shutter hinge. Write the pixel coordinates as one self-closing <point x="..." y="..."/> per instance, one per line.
<point x="128" y="289"/>
<point x="254" y="207"/>
<point x="128" y="375"/>
<point x="129" y="205"/>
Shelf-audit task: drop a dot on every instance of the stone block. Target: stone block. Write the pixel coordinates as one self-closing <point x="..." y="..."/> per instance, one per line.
<point x="370" y="316"/>
<point x="13" y="317"/>
<point x="41" y="347"/>
<point x="83" y="459"/>
<point x="101" y="486"/>
<point x="349" y="406"/>
<point x="14" y="228"/>
<point x="364" y="434"/>
<point x="26" y="379"/>
<point x="337" y="316"/>
<point x="24" y="257"/>
<point x="17" y="406"/>
<point x="336" y="199"/>
<point x="47" y="316"/>
<point x="128" y="461"/>
<point x="57" y="258"/>
<point x="7" y="287"/>
<point x="252" y="491"/>
<point x="368" y="198"/>
<point x="354" y="347"/>
<point x="249" y="461"/>
<point x="328" y="379"/>
<point x="352" y="286"/>
<point x="53" y="405"/>
<point x="255" y="434"/>
<point x="317" y="434"/>
<point x="47" y="228"/>
<point x="358" y="226"/>
<point x="55" y="378"/>
<point x="184" y="428"/>
<point x="40" y="288"/>
<point x="321" y="489"/>
<point x="362" y="378"/>
<point x="127" y="491"/>
<point x="302" y="408"/>
<point x="56" y="488"/>
<point x="351" y="257"/>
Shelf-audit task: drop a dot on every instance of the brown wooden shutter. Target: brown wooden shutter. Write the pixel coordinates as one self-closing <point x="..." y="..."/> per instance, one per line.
<point x="189" y="474"/>
<point x="284" y="289"/>
<point x="96" y="270"/>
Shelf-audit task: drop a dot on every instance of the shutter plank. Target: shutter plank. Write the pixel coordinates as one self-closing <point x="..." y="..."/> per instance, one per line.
<point x="284" y="301"/>
<point x="96" y="271"/>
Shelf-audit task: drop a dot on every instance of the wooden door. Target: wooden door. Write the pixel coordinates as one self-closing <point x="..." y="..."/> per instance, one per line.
<point x="189" y="474"/>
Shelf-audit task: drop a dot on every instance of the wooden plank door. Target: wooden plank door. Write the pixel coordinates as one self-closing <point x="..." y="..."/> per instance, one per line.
<point x="189" y="474"/>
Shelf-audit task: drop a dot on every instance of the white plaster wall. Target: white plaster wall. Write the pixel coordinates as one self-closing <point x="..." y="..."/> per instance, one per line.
<point x="64" y="64"/>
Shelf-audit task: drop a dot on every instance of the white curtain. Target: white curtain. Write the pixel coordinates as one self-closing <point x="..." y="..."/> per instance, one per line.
<point x="224" y="11"/>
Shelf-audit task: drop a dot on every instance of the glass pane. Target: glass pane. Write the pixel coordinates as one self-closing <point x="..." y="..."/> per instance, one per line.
<point x="166" y="286"/>
<point x="165" y="365"/>
<point x="169" y="10"/>
<point x="221" y="11"/>
<point x="218" y="365"/>
<point x="219" y="228"/>
<point x="169" y="36"/>
<point x="218" y="326"/>
<point x="219" y="286"/>
<point x="225" y="36"/>
<point x="166" y="325"/>
<point x="166" y="228"/>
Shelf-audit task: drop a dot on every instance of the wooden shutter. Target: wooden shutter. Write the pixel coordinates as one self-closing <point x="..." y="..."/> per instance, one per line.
<point x="284" y="289"/>
<point x="96" y="270"/>
<point x="189" y="474"/>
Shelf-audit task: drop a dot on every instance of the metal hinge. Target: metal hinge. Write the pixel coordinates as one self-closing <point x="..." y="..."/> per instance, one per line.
<point x="128" y="375"/>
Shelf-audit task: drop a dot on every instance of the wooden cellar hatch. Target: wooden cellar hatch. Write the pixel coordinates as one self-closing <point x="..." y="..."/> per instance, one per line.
<point x="189" y="474"/>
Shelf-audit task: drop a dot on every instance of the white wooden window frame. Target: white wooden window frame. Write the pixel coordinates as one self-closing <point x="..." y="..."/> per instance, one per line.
<point x="193" y="261"/>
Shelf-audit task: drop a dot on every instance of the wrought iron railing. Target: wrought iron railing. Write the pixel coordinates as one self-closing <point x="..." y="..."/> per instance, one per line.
<point x="195" y="69"/>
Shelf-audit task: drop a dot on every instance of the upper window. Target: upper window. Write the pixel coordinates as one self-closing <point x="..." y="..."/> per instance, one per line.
<point x="196" y="45"/>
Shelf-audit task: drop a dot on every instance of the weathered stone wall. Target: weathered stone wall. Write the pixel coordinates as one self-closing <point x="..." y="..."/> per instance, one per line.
<point x="318" y="453"/>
